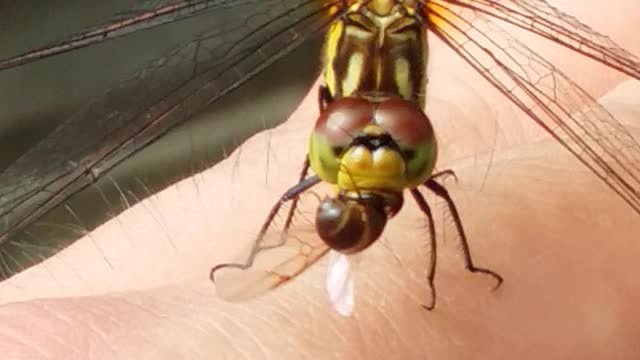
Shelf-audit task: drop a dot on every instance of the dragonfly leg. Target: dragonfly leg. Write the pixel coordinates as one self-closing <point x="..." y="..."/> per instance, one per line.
<point x="444" y="174"/>
<point x="294" y="203"/>
<point x="441" y="192"/>
<point x="422" y="204"/>
<point x="290" y="195"/>
<point x="324" y="97"/>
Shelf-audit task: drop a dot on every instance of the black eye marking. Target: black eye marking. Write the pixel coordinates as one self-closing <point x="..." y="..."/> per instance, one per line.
<point x="375" y="142"/>
<point x="408" y="154"/>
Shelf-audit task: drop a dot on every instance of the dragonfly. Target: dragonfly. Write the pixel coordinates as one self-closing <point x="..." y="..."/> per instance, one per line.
<point x="371" y="141"/>
<point x="230" y="41"/>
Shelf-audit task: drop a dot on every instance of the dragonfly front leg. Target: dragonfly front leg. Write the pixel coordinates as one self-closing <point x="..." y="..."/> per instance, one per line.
<point x="422" y="204"/>
<point x="324" y="97"/>
<point x="290" y="195"/>
<point x="441" y="192"/>
<point x="266" y="266"/>
<point x="294" y="201"/>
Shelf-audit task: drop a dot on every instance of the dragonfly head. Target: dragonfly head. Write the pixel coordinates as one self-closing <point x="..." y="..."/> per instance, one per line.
<point x="351" y="222"/>
<point x="380" y="144"/>
<point x="372" y="147"/>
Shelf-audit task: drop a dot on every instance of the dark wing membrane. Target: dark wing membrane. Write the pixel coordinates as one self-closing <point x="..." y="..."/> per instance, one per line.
<point x="242" y="38"/>
<point x="280" y="251"/>
<point x="549" y="97"/>
<point x="144" y="15"/>
<point x="539" y="17"/>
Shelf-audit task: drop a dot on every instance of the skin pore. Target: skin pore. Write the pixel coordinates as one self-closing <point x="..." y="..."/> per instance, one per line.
<point x="565" y="244"/>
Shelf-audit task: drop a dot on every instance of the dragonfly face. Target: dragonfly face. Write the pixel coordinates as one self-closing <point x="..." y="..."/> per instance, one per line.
<point x="377" y="144"/>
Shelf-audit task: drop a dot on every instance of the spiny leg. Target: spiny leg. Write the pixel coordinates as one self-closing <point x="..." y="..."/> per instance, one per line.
<point x="292" y="209"/>
<point x="290" y="195"/>
<point x="444" y="174"/>
<point x="324" y="97"/>
<point x="294" y="203"/>
<point x="422" y="204"/>
<point x="441" y="192"/>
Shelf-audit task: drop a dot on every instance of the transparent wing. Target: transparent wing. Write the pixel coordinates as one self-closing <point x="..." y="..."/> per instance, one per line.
<point x="539" y="17"/>
<point x="229" y="42"/>
<point x="280" y="251"/>
<point x="543" y="92"/>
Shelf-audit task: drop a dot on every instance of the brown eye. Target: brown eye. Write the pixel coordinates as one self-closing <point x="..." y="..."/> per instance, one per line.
<point x="342" y="118"/>
<point x="404" y="121"/>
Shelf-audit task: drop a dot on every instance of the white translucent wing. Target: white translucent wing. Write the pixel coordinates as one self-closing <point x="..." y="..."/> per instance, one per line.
<point x="544" y="93"/>
<point x="340" y="283"/>
<point x="543" y="19"/>
<point x="276" y="256"/>
<point x="271" y="268"/>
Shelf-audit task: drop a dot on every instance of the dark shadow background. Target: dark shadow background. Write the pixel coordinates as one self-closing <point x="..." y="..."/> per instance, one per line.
<point x="36" y="97"/>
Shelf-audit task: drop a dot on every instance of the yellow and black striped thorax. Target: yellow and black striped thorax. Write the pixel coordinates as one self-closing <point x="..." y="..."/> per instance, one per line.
<point x="377" y="46"/>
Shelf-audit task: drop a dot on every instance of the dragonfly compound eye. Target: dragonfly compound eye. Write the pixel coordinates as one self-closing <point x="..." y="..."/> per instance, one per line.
<point x="411" y="129"/>
<point x="335" y="129"/>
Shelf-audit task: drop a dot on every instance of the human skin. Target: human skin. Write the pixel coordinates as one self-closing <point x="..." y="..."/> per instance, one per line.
<point x="565" y="244"/>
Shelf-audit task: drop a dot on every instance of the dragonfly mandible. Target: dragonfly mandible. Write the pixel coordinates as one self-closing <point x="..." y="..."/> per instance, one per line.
<point x="232" y="40"/>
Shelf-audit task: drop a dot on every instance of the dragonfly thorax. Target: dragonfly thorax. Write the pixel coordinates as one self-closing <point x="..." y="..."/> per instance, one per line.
<point x="377" y="45"/>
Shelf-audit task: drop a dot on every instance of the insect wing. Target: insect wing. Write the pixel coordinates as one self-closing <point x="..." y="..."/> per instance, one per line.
<point x="113" y="20"/>
<point x="277" y="256"/>
<point x="546" y="95"/>
<point x="540" y="18"/>
<point x="242" y="37"/>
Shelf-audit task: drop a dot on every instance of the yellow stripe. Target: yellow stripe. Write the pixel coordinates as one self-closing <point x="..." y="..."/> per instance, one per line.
<point x="351" y="81"/>
<point x="330" y="51"/>
<point x="403" y="78"/>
